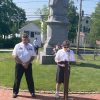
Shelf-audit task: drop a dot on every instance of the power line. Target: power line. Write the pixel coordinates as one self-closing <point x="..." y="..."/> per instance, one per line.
<point x="31" y="1"/>
<point x="33" y="17"/>
<point x="96" y="1"/>
<point x="91" y="0"/>
<point x="35" y="14"/>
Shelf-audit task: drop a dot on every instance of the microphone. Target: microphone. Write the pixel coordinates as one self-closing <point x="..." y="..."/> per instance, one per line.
<point x="68" y="50"/>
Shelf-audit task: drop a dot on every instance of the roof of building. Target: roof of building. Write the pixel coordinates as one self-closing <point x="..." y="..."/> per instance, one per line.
<point x="30" y="27"/>
<point x="86" y="17"/>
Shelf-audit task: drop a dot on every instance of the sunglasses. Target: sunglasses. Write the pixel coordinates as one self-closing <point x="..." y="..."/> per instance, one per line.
<point x="66" y="47"/>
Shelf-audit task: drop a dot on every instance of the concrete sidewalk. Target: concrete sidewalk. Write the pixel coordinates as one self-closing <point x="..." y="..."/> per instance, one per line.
<point x="6" y="94"/>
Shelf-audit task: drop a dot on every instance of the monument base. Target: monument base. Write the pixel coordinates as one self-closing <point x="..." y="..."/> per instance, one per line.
<point x="46" y="59"/>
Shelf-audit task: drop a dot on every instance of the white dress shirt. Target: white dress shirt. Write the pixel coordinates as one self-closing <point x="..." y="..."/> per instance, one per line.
<point x="35" y="43"/>
<point x="64" y="56"/>
<point x="24" y="52"/>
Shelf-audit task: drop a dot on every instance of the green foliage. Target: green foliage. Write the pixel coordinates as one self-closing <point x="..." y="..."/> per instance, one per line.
<point x="44" y="12"/>
<point x="11" y="17"/>
<point x="95" y="25"/>
<point x="73" y="21"/>
<point x="37" y="22"/>
<point x="9" y="43"/>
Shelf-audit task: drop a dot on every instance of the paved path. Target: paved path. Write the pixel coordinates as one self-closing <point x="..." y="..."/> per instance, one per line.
<point x="6" y="94"/>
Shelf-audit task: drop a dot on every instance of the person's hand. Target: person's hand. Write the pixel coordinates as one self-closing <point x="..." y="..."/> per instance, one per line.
<point x="61" y="62"/>
<point x="25" y="65"/>
<point x="63" y="65"/>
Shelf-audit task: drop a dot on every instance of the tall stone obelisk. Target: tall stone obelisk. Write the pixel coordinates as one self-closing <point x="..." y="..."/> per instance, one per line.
<point x="56" y="29"/>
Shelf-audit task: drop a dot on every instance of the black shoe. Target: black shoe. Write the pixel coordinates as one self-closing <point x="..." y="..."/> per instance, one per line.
<point x="33" y="95"/>
<point x="14" y="95"/>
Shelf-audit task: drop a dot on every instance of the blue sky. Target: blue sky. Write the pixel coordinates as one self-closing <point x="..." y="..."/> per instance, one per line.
<point x="31" y="6"/>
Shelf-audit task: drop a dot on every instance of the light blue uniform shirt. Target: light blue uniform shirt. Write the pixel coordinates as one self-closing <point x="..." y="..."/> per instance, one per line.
<point x="24" y="52"/>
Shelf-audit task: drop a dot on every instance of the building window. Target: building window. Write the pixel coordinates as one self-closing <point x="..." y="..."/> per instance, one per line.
<point x="35" y="33"/>
<point x="27" y="32"/>
<point x="38" y="33"/>
<point x="84" y="29"/>
<point x="81" y="27"/>
<point x="32" y="34"/>
<point x="87" y="21"/>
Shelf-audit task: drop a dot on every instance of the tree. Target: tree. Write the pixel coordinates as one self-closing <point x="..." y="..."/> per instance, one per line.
<point x="95" y="25"/>
<point x="73" y="21"/>
<point x="44" y="12"/>
<point x="11" y="17"/>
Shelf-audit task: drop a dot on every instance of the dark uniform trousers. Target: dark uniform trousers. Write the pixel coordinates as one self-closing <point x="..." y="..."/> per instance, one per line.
<point x="19" y="71"/>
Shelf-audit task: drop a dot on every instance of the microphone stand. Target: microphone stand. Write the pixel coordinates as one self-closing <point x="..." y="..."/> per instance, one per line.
<point x="66" y="78"/>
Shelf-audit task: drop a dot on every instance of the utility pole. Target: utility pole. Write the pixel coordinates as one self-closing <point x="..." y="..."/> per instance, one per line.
<point x="42" y="29"/>
<point x="79" y="25"/>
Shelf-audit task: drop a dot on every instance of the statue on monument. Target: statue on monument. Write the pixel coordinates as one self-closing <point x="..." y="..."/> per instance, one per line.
<point x="57" y="7"/>
<point x="53" y="2"/>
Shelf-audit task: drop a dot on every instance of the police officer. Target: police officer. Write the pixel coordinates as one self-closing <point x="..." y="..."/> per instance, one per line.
<point x="23" y="54"/>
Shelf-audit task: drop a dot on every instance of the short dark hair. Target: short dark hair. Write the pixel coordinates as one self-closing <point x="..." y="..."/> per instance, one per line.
<point x="66" y="43"/>
<point x="24" y="35"/>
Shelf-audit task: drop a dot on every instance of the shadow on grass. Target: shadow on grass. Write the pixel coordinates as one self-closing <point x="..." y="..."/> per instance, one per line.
<point x="45" y="97"/>
<point x="88" y="65"/>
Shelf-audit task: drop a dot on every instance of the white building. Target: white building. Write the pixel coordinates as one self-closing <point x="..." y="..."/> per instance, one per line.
<point x="84" y="30"/>
<point x="33" y="31"/>
<point x="85" y="24"/>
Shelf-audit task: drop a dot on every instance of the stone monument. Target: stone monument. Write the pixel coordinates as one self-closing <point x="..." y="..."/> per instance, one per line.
<point x="56" y="29"/>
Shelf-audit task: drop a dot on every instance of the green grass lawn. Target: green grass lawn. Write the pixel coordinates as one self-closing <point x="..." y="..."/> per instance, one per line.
<point x="85" y="75"/>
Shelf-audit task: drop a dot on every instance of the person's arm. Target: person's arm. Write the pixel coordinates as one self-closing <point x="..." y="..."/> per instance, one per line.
<point x="31" y="59"/>
<point x="15" y="55"/>
<point x="18" y="60"/>
<point x="58" y="59"/>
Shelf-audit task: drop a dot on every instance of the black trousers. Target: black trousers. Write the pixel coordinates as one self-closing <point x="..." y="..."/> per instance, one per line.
<point x="36" y="50"/>
<point x="19" y="71"/>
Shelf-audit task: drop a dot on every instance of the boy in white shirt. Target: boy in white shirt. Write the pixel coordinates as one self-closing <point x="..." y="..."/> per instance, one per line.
<point x="64" y="54"/>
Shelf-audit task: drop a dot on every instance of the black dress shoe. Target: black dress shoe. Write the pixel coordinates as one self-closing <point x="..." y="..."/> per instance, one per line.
<point x="33" y="95"/>
<point x="14" y="95"/>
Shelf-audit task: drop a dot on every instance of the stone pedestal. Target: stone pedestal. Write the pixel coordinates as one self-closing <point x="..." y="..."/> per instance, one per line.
<point x="46" y="59"/>
<point x="56" y="29"/>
